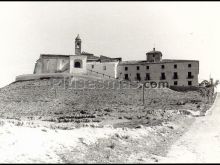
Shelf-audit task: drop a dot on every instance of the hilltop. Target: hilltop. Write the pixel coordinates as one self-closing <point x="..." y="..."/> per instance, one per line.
<point x="104" y="102"/>
<point x="102" y="121"/>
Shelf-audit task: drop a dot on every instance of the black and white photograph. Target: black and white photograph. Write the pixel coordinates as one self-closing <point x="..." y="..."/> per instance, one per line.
<point x="109" y="82"/>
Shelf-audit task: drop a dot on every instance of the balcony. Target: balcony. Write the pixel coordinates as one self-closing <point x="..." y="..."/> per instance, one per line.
<point x="162" y="78"/>
<point x="137" y="79"/>
<point x="190" y="77"/>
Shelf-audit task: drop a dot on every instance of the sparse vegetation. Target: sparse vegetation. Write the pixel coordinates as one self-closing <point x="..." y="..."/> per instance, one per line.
<point x="167" y="114"/>
<point x="37" y="100"/>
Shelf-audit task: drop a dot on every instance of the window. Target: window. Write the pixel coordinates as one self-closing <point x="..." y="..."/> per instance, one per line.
<point x="126" y="68"/>
<point x="147" y="67"/>
<point x="77" y="65"/>
<point x="147" y="76"/>
<point x="92" y="66"/>
<point x="163" y="77"/>
<point x="175" y="83"/>
<point x="48" y="64"/>
<point x="138" y="68"/>
<point x="104" y="67"/>
<point x="77" y="45"/>
<point x="126" y="77"/>
<point x="175" y="75"/>
<point x="175" y="66"/>
<point x="162" y="67"/>
<point x="189" y="65"/>
<point x="138" y="77"/>
<point x="189" y="83"/>
<point x="190" y="75"/>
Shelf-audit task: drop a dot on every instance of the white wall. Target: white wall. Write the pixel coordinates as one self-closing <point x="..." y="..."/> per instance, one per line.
<point x="83" y="69"/>
<point x="218" y="88"/>
<point x="155" y="72"/>
<point x="111" y="68"/>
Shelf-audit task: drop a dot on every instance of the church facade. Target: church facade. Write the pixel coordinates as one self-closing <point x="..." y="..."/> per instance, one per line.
<point x="154" y="68"/>
<point x="79" y="63"/>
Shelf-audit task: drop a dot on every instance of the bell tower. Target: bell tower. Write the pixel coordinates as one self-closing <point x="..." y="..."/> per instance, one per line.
<point x="78" y="45"/>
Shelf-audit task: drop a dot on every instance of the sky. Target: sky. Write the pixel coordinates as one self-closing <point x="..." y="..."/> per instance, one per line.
<point x="180" y="30"/>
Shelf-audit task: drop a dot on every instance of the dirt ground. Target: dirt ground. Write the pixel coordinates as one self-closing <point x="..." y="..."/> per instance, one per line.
<point x="31" y="143"/>
<point x="38" y="100"/>
<point x="43" y="124"/>
<point x="201" y="144"/>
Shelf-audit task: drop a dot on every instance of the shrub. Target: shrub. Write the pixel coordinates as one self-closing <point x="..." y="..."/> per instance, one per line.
<point x="108" y="110"/>
<point x="128" y="117"/>
<point x="112" y="145"/>
<point x="2" y="123"/>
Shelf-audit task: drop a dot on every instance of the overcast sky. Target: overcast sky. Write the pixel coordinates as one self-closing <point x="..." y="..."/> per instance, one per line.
<point x="181" y="30"/>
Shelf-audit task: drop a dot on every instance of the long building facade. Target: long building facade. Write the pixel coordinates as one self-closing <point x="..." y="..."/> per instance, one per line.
<point x="154" y="68"/>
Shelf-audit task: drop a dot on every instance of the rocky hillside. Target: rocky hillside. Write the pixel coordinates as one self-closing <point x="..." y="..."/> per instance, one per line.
<point x="92" y="121"/>
<point x="91" y="100"/>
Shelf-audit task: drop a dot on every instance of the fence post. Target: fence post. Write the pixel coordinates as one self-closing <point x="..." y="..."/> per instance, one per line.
<point x="143" y="94"/>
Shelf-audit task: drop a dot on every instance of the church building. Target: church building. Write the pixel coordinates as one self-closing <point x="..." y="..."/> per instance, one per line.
<point x="79" y="63"/>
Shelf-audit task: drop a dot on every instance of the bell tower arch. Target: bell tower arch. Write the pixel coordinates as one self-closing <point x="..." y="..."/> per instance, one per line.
<point x="78" y="42"/>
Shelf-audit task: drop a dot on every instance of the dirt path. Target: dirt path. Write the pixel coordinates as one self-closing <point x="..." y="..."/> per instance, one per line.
<point x="201" y="144"/>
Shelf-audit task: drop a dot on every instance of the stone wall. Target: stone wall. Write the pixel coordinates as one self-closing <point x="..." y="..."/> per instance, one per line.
<point x="80" y="59"/>
<point x="38" y="67"/>
<point x="51" y="64"/>
<point x="107" y="68"/>
<point x="27" y="77"/>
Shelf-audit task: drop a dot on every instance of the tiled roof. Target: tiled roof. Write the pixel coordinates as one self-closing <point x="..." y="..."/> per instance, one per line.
<point x="86" y="53"/>
<point x="131" y="62"/>
<point x="89" y="56"/>
<point x="54" y="55"/>
<point x="92" y="57"/>
<point x="178" y="60"/>
<point x="154" y="52"/>
<point x="163" y="61"/>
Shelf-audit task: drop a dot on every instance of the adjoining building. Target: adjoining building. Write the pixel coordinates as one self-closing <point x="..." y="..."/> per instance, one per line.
<point x="80" y="63"/>
<point x="154" y="68"/>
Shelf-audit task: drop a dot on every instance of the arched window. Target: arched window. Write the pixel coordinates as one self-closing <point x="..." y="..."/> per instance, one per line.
<point x="78" y="64"/>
